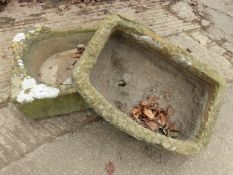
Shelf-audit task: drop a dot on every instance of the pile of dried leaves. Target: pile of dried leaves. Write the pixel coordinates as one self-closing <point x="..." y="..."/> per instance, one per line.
<point x="149" y="114"/>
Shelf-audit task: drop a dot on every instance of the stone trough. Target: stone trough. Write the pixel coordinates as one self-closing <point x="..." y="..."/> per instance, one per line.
<point x="41" y="86"/>
<point x="123" y="63"/>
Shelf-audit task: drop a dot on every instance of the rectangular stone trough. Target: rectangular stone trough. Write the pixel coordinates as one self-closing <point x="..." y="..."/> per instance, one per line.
<point x="41" y="82"/>
<point x="125" y="61"/>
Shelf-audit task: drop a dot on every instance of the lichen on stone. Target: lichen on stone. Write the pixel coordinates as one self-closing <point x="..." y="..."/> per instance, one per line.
<point x="148" y="39"/>
<point x="20" y="63"/>
<point x="30" y="90"/>
<point x="19" y="37"/>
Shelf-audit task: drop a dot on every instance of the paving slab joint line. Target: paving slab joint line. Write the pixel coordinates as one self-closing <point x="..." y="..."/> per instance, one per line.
<point x="49" y="140"/>
<point x="217" y="42"/>
<point x="218" y="10"/>
<point x="196" y="13"/>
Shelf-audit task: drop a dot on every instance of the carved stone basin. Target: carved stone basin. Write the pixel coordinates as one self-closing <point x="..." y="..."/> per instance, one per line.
<point x="41" y="86"/>
<point x="126" y="72"/>
<point x="125" y="61"/>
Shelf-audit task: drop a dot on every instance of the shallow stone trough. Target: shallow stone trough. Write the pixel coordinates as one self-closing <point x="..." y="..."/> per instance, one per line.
<point x="124" y="62"/>
<point x="37" y="94"/>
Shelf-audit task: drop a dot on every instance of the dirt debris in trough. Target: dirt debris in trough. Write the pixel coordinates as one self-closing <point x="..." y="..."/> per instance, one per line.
<point x="60" y="66"/>
<point x="149" y="114"/>
<point x="80" y="49"/>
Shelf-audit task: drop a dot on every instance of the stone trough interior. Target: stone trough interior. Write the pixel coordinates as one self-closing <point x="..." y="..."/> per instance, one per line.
<point x="50" y="60"/>
<point x="127" y="72"/>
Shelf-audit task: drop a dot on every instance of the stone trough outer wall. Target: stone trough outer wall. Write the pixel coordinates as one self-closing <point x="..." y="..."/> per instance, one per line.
<point x="215" y="81"/>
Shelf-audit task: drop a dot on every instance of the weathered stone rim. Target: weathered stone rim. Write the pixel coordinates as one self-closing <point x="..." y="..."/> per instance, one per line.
<point x="175" y="54"/>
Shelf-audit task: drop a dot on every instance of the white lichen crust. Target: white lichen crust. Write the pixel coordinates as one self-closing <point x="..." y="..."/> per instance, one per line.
<point x="20" y="63"/>
<point x="148" y="39"/>
<point x="30" y="90"/>
<point x="19" y="37"/>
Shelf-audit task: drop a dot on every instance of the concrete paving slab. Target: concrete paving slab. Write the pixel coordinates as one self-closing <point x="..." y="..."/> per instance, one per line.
<point x="213" y="59"/>
<point x="184" y="11"/>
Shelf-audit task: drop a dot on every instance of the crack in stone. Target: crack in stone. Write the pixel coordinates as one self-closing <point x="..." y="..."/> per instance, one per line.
<point x="218" y="10"/>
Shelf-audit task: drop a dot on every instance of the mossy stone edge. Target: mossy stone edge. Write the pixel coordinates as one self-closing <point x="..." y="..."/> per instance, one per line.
<point x="94" y="99"/>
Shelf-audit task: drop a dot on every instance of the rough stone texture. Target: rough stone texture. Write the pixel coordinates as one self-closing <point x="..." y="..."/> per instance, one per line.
<point x="216" y="159"/>
<point x="216" y="84"/>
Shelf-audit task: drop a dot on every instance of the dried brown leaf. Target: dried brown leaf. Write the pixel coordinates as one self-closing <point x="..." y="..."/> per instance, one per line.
<point x="145" y="103"/>
<point x="159" y="122"/>
<point x="110" y="168"/>
<point x="166" y="127"/>
<point x="135" y="112"/>
<point x="149" y="101"/>
<point x="149" y="114"/>
<point x="163" y="119"/>
<point x="152" y="125"/>
<point x="76" y="55"/>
